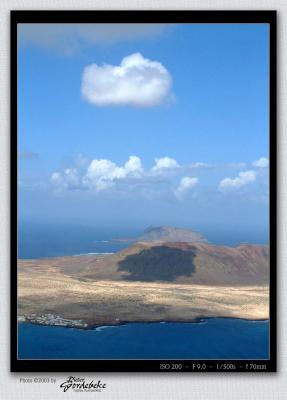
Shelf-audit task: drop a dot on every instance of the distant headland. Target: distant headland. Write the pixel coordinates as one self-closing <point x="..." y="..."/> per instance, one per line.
<point x="167" y="234"/>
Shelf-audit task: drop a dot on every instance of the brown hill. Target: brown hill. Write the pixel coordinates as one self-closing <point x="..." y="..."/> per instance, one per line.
<point x="196" y="263"/>
<point x="182" y="263"/>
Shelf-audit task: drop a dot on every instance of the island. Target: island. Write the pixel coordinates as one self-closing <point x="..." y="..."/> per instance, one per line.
<point x="149" y="281"/>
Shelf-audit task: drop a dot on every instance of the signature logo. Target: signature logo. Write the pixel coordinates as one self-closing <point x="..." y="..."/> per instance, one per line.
<point x="81" y="385"/>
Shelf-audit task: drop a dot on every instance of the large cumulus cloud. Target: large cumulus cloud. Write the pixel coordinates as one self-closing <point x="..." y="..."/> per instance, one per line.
<point x="137" y="81"/>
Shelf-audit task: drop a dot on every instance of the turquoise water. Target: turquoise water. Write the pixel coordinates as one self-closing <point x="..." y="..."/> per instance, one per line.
<point x="215" y="338"/>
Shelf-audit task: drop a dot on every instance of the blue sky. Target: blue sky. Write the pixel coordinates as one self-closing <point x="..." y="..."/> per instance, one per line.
<point x="144" y="125"/>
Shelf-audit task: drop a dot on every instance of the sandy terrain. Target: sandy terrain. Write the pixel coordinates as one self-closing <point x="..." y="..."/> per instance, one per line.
<point x="110" y="302"/>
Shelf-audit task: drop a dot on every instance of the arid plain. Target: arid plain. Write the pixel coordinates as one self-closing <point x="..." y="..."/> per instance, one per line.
<point x="155" y="281"/>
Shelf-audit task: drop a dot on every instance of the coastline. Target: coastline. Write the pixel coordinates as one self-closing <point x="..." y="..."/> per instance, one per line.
<point x="91" y="326"/>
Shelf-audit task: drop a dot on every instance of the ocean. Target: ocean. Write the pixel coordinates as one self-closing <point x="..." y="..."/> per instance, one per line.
<point x="218" y="338"/>
<point x="40" y="240"/>
<point x="214" y="338"/>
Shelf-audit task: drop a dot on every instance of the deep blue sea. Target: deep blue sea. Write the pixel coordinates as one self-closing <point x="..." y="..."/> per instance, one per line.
<point x="39" y="240"/>
<point x="215" y="338"/>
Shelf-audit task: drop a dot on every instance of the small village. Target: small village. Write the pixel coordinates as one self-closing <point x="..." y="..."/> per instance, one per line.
<point x="51" y="319"/>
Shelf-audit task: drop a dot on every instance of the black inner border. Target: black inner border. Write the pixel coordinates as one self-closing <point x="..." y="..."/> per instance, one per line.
<point x="137" y="16"/>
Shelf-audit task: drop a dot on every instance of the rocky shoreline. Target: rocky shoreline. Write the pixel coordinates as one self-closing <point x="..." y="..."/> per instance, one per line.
<point x="56" y="320"/>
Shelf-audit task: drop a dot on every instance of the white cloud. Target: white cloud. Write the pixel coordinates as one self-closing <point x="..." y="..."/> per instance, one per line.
<point x="261" y="163"/>
<point x="137" y="81"/>
<point x="185" y="185"/>
<point x="235" y="165"/>
<point x="243" y="178"/>
<point x="201" y="165"/>
<point x="164" y="163"/>
<point x="134" y="166"/>
<point x="69" y="178"/>
<point x="130" y="178"/>
<point x="100" y="175"/>
<point x="56" y="178"/>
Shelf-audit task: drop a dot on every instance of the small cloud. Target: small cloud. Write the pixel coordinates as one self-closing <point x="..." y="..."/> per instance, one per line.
<point x="56" y="178"/>
<point x="164" y="163"/>
<point x="204" y="165"/>
<point x="239" y="165"/>
<point x="137" y="81"/>
<point x="28" y="155"/>
<point x="201" y="165"/>
<point x="184" y="186"/>
<point x="69" y="178"/>
<point x="243" y="178"/>
<point x="32" y="185"/>
<point x="261" y="163"/>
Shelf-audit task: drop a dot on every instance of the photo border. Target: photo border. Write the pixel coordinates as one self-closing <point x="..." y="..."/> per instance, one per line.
<point x="137" y="16"/>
